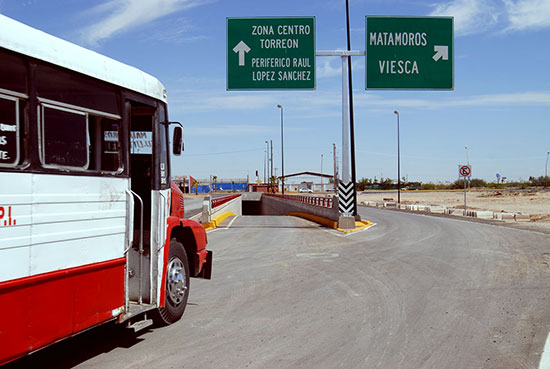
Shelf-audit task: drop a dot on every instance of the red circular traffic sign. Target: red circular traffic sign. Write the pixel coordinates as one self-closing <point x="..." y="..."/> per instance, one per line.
<point x="465" y="170"/>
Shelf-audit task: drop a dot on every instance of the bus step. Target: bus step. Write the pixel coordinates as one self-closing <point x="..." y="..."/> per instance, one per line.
<point x="142" y="324"/>
<point x="136" y="309"/>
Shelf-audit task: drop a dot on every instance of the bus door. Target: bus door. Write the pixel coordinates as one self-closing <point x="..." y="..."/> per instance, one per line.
<point x="141" y="174"/>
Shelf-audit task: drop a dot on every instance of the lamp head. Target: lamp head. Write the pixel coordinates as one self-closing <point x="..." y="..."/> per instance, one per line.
<point x="279" y="106"/>
<point x="395" y="112"/>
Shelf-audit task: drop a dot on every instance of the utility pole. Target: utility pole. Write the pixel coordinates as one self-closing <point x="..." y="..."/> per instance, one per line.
<point x="351" y="122"/>
<point x="335" y="170"/>
<point x="282" y="153"/>
<point x="321" y="172"/>
<point x="398" y="163"/>
<point x="271" y="176"/>
<point x="546" y="171"/>
<point x="265" y="161"/>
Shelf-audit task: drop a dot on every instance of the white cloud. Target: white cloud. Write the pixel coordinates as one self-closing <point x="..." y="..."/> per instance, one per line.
<point x="175" y="32"/>
<point x="527" y="14"/>
<point x="325" y="67"/>
<point x="531" y="98"/>
<point x="120" y="15"/>
<point x="470" y="16"/>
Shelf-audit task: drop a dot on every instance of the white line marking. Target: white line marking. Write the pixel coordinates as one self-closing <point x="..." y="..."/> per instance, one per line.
<point x="231" y="222"/>
<point x="545" y="357"/>
<point x="223" y="229"/>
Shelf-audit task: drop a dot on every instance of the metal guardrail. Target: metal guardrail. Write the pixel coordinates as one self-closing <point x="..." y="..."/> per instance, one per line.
<point x="222" y="200"/>
<point x="325" y="202"/>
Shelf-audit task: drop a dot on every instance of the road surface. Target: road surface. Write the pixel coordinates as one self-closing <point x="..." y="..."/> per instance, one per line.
<point x="413" y="291"/>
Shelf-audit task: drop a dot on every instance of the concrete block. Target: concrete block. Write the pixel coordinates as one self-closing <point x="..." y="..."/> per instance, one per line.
<point x="454" y="212"/>
<point x="504" y="216"/>
<point x="522" y="218"/>
<point x="390" y="205"/>
<point x="436" y="209"/>
<point x="484" y="214"/>
<point x="346" y="222"/>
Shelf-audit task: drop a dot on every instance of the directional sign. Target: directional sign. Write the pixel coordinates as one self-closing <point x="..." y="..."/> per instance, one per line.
<point x="464" y="170"/>
<point x="409" y="53"/>
<point x="270" y="53"/>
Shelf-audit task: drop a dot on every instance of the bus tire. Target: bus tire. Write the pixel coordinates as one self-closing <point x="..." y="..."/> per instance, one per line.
<point x="176" y="286"/>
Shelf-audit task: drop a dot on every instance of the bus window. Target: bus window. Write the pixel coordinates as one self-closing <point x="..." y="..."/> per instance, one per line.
<point x="105" y="148"/>
<point x="14" y="73"/>
<point x="64" y="138"/>
<point x="9" y="131"/>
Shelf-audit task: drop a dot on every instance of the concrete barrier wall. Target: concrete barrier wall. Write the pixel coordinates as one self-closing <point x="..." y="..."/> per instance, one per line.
<point x="276" y="206"/>
<point x="234" y="206"/>
<point x="482" y="214"/>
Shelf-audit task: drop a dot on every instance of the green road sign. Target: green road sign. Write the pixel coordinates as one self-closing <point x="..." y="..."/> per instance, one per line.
<point x="409" y="53"/>
<point x="270" y="53"/>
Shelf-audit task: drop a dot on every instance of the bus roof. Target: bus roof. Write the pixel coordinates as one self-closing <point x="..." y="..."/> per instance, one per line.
<point x="29" y="41"/>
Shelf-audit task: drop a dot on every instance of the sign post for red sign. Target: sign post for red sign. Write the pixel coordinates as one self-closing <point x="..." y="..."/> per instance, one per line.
<point x="465" y="171"/>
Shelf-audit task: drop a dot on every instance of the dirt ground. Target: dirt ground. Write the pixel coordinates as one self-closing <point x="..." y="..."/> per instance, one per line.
<point x="533" y="202"/>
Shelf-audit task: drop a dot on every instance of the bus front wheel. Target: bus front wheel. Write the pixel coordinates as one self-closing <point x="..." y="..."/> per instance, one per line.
<point x="176" y="286"/>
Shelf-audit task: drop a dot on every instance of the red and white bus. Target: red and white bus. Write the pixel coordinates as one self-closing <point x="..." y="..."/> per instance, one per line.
<point x="91" y="227"/>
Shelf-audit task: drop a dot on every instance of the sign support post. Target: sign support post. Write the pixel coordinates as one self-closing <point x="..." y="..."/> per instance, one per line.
<point x="346" y="189"/>
<point x="465" y="196"/>
<point x="464" y="171"/>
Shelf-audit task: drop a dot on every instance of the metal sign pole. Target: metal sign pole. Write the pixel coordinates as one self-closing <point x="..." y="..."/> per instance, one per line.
<point x="346" y="191"/>
<point x="464" y="195"/>
<point x="351" y="115"/>
<point x="345" y="123"/>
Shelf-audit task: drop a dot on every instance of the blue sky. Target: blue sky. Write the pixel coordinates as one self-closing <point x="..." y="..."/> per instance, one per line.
<point x="500" y="108"/>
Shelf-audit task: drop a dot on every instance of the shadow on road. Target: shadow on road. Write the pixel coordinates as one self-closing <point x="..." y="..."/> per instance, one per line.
<point x="78" y="349"/>
<point x="247" y="226"/>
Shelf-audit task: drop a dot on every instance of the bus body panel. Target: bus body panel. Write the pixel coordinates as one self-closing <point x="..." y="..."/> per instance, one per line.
<point x="56" y="226"/>
<point x="62" y="268"/>
<point x="57" y="305"/>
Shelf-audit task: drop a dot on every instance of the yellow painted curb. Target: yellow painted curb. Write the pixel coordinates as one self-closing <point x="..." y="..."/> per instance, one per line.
<point x="316" y="219"/>
<point x="214" y="223"/>
<point x="359" y="225"/>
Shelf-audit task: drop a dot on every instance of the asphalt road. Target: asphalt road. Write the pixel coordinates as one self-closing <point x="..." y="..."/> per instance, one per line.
<point x="413" y="291"/>
<point x="192" y="206"/>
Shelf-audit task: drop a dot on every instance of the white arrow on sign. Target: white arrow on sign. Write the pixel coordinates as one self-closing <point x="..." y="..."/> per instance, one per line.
<point x="441" y="52"/>
<point x="241" y="48"/>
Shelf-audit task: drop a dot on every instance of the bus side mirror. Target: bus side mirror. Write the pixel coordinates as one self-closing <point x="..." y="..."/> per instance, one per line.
<point x="177" y="141"/>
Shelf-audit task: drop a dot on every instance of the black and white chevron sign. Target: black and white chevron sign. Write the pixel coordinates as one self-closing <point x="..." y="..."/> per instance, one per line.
<point x="346" y="198"/>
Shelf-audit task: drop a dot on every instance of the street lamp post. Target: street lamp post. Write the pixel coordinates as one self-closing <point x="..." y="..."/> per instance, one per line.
<point x="398" y="162"/>
<point x="467" y="163"/>
<point x="546" y="171"/>
<point x="265" y="161"/>
<point x="321" y="172"/>
<point x="282" y="152"/>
